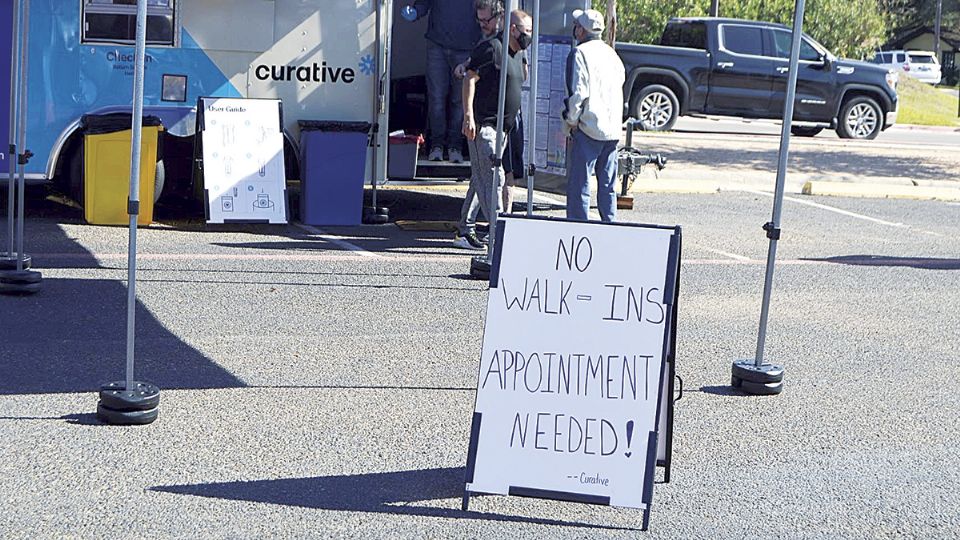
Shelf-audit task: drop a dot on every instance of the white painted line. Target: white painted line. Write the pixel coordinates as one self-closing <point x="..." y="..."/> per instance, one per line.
<point x="733" y="256"/>
<point x="338" y="241"/>
<point x="831" y="209"/>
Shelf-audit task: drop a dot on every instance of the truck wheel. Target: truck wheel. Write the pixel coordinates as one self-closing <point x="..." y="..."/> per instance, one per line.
<point x="803" y="131"/>
<point x="656" y="107"/>
<point x="860" y="118"/>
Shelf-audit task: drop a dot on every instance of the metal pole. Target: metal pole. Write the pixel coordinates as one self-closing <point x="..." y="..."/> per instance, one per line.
<point x="498" y="147"/>
<point x="715" y="8"/>
<point x="532" y="108"/>
<point x="22" y="138"/>
<point x="773" y="228"/>
<point x="14" y="114"/>
<point x="134" y="199"/>
<point x="936" y="29"/>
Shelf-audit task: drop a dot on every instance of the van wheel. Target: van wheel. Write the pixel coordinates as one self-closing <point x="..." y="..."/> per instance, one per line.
<point x="656" y="107"/>
<point x="860" y="118"/>
<point x="803" y="131"/>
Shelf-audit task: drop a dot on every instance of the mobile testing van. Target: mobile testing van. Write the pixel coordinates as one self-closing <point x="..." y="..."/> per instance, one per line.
<point x="325" y="60"/>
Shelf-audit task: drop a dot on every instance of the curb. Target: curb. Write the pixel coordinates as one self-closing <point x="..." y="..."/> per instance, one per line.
<point x="886" y="191"/>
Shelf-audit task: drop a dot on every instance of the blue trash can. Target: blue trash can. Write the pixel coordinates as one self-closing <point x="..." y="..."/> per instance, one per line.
<point x="333" y="160"/>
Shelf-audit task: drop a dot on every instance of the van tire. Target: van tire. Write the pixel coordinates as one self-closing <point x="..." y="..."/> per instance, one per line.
<point x="860" y="118"/>
<point x="656" y="107"/>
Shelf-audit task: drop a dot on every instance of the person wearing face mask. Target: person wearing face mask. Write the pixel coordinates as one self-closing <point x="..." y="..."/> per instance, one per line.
<point x="593" y="117"/>
<point x="481" y="89"/>
<point x="521" y="36"/>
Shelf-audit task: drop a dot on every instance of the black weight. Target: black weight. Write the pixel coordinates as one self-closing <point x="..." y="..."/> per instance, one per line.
<point x="480" y="267"/>
<point x="765" y="373"/>
<point x="126" y="418"/>
<point x="735" y="381"/>
<point x="10" y="263"/>
<point x="144" y="396"/>
<point x="20" y="276"/>
<point x="376" y="219"/>
<point x="760" y="389"/>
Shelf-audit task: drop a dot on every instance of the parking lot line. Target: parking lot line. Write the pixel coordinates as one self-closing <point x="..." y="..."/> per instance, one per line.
<point x="336" y="240"/>
<point x="830" y="209"/>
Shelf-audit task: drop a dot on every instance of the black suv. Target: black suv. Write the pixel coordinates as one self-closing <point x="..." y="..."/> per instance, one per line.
<point x="732" y="67"/>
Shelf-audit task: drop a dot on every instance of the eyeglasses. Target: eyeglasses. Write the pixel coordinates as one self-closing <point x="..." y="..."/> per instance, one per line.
<point x="487" y="20"/>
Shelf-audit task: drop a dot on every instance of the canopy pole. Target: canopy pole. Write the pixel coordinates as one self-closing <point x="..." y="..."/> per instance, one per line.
<point x="756" y="377"/>
<point x="12" y="145"/>
<point x="532" y="108"/>
<point x="23" y="155"/>
<point x="134" y="198"/>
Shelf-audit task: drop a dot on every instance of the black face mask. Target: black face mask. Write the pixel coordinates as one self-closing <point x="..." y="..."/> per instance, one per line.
<point x="524" y="41"/>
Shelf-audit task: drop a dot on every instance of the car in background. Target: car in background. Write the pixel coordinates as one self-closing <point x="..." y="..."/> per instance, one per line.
<point x="921" y="65"/>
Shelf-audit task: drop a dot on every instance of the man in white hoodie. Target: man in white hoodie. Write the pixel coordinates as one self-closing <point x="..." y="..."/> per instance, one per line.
<point x="593" y="117"/>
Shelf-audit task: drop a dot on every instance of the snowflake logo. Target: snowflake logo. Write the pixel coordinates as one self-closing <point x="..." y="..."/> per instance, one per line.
<point x="366" y="65"/>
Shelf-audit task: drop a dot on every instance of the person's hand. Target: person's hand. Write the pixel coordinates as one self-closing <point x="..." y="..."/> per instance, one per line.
<point x="568" y="130"/>
<point x="460" y="71"/>
<point x="409" y="13"/>
<point x="469" y="128"/>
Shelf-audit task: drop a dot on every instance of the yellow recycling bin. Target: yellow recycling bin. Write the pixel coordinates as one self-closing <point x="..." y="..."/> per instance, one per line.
<point x="106" y="167"/>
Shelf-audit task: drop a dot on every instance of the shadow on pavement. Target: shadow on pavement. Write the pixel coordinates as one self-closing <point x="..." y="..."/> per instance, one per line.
<point x="71" y="337"/>
<point x="388" y="492"/>
<point x="923" y="263"/>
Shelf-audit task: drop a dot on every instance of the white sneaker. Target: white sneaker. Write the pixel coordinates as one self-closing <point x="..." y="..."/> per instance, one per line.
<point x="456" y="156"/>
<point x="436" y="154"/>
<point x="468" y="241"/>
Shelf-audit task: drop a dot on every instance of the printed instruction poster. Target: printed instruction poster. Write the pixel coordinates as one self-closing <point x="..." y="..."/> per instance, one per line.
<point x="550" y="154"/>
<point x="243" y="171"/>
<point x="570" y="374"/>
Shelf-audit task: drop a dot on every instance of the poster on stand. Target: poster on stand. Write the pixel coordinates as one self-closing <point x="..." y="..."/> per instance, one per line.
<point x="244" y="179"/>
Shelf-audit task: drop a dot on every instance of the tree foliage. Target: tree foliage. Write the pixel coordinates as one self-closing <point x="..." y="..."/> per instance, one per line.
<point x="849" y="28"/>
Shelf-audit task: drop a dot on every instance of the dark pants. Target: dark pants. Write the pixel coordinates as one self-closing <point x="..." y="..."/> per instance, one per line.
<point x="444" y="97"/>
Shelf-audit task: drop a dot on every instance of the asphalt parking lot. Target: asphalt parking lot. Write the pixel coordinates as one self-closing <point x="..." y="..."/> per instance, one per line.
<point x="319" y="382"/>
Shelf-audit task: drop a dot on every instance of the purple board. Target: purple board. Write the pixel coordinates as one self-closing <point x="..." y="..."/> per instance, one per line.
<point x="6" y="28"/>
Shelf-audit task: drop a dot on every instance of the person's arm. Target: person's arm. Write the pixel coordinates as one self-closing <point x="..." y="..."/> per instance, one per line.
<point x="469" y="90"/>
<point x="578" y="89"/>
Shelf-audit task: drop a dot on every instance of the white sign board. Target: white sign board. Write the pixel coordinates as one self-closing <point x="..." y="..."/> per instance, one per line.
<point x="243" y="172"/>
<point x="570" y="377"/>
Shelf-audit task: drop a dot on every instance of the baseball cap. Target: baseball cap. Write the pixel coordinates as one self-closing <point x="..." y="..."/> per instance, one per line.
<point x="591" y="20"/>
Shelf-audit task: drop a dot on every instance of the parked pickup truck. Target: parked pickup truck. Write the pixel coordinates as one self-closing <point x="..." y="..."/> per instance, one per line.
<point x="739" y="68"/>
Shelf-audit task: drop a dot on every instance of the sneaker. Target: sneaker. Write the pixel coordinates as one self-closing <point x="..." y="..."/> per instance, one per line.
<point x="436" y="154"/>
<point x="456" y="156"/>
<point x="468" y="241"/>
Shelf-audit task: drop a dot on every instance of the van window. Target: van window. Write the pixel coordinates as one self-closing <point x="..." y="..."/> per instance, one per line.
<point x="922" y="59"/>
<point x="784" y="40"/>
<point x="743" y="39"/>
<point x="901" y="58"/>
<point x="115" y="21"/>
<point x="883" y="58"/>
<point x="689" y="35"/>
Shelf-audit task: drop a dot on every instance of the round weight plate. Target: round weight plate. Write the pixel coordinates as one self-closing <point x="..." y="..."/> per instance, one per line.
<point x="10" y="263"/>
<point x="126" y="418"/>
<point x="479" y="268"/>
<point x="735" y="381"/>
<point x="20" y="276"/>
<point x="144" y="396"/>
<point x="761" y="389"/>
<point x="766" y="373"/>
<point x="383" y="210"/>
<point x="376" y="219"/>
<point x="19" y="288"/>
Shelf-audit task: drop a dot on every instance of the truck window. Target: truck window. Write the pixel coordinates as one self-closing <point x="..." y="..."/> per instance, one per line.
<point x="689" y="35"/>
<point x="784" y="40"/>
<point x="742" y="39"/>
<point x="115" y="21"/>
<point x="883" y="58"/>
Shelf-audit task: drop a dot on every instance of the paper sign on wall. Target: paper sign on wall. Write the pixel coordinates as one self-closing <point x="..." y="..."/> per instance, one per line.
<point x="570" y="381"/>
<point x="243" y="170"/>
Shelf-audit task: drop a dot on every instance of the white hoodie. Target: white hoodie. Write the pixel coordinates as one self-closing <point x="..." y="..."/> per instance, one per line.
<point x="595" y="78"/>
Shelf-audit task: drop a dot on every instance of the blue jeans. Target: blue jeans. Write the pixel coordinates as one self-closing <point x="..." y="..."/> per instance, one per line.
<point x="588" y="157"/>
<point x="444" y="97"/>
